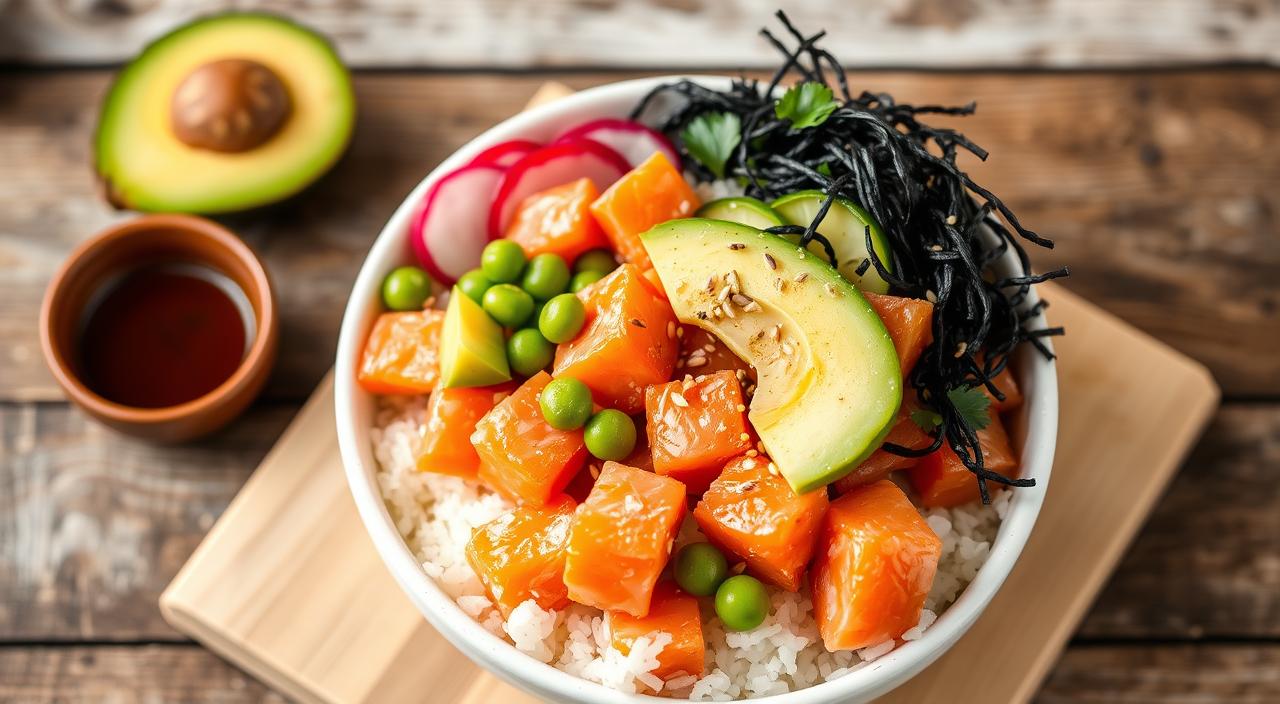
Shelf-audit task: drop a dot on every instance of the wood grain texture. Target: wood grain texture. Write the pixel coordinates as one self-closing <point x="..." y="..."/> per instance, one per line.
<point x="673" y="33"/>
<point x="1159" y="187"/>
<point x="1183" y="674"/>
<point x="94" y="525"/>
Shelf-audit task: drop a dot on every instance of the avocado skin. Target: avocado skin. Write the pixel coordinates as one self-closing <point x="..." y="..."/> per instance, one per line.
<point x="112" y="111"/>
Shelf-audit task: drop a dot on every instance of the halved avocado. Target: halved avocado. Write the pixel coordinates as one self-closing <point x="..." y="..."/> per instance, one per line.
<point x="742" y="209"/>
<point x="226" y="113"/>
<point x="845" y="226"/>
<point x="829" y="384"/>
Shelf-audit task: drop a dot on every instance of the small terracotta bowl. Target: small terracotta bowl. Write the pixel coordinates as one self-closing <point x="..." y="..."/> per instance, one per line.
<point x="122" y="248"/>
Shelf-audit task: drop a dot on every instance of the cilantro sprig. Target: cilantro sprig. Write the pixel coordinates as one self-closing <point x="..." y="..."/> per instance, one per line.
<point x="711" y="138"/>
<point x="973" y="406"/>
<point x="806" y="105"/>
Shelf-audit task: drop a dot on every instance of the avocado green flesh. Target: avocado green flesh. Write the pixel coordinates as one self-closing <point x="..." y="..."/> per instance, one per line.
<point x="845" y="226"/>
<point x="743" y="210"/>
<point x="473" y="350"/>
<point x="829" y="384"/>
<point x="143" y="166"/>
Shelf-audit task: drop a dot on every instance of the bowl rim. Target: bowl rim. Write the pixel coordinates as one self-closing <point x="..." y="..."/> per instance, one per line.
<point x="1038" y="376"/>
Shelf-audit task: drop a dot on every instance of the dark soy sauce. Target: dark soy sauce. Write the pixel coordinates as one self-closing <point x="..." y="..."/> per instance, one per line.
<point x="163" y="335"/>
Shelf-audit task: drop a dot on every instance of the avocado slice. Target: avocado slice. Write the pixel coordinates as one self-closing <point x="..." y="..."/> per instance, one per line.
<point x="829" y="384"/>
<point x="473" y="351"/>
<point x="241" y="147"/>
<point x="845" y="226"/>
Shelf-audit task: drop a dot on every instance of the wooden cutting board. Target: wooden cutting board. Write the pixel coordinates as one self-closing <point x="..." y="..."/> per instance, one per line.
<point x="288" y="586"/>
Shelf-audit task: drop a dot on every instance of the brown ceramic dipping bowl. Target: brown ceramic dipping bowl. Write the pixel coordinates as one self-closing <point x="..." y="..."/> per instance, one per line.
<point x="123" y="248"/>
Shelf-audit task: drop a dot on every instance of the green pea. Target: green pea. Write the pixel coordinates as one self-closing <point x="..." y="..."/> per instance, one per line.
<point x="508" y="304"/>
<point x="742" y="602"/>
<point x="583" y="279"/>
<point x="546" y="276"/>
<point x="600" y="260"/>
<point x="529" y="352"/>
<point x="610" y="435"/>
<point x="502" y="261"/>
<point x="562" y="318"/>
<point x="700" y="568"/>
<point x="406" y="288"/>
<point x="566" y="403"/>
<point x="473" y="284"/>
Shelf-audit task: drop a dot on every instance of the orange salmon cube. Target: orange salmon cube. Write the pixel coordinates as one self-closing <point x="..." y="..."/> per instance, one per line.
<point x="695" y="428"/>
<point x="909" y="322"/>
<point x="650" y="194"/>
<point x="558" y="221"/>
<point x="520" y="556"/>
<point x="401" y="355"/>
<point x="673" y="612"/>
<point x="621" y="539"/>
<point x="521" y="456"/>
<point x="624" y="346"/>
<point x="942" y="479"/>
<point x="754" y="514"/>
<point x="875" y="563"/>
<point x="452" y="415"/>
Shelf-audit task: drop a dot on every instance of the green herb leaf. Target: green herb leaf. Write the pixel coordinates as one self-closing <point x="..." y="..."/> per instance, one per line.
<point x="973" y="406"/>
<point x="926" y="419"/>
<point x="711" y="139"/>
<point x="806" y="105"/>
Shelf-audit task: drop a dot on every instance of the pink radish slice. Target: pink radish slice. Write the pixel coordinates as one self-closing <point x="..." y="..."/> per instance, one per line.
<point x="632" y="140"/>
<point x="450" y="228"/>
<point x="552" y="166"/>
<point x="506" y="154"/>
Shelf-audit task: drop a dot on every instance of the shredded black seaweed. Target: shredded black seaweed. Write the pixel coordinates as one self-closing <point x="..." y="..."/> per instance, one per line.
<point x="877" y="152"/>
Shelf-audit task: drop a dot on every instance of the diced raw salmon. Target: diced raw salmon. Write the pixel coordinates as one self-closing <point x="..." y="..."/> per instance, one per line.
<point x="621" y="538"/>
<point x="753" y="513"/>
<point x="674" y="613"/>
<point x="909" y="322"/>
<point x="520" y="555"/>
<point x="875" y="562"/>
<point x="452" y="415"/>
<point x="941" y="478"/>
<point x="694" y="428"/>
<point x="401" y="355"/>
<point x="624" y="346"/>
<point x="521" y="456"/>
<point x="651" y="193"/>
<point x="558" y="221"/>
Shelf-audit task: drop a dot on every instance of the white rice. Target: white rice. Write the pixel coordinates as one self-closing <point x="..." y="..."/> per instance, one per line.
<point x="436" y="515"/>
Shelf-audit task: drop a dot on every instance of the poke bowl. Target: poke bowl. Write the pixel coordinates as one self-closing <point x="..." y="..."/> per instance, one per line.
<point x="426" y="525"/>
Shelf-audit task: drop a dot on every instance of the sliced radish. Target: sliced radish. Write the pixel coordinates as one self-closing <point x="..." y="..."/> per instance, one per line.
<point x="632" y="140"/>
<point x="552" y="166"/>
<point x="450" y="228"/>
<point x="506" y="154"/>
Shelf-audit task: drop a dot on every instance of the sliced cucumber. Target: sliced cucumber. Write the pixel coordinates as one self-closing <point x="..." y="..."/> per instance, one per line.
<point x="742" y="210"/>
<point x="845" y="227"/>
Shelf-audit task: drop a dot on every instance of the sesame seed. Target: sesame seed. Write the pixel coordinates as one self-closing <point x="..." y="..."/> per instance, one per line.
<point x="749" y="463"/>
<point x="831" y="289"/>
<point x="773" y="469"/>
<point x="770" y="261"/>
<point x="935" y="248"/>
<point x="744" y="437"/>
<point x="638" y="323"/>
<point x="775" y="332"/>
<point x="752" y="453"/>
<point x="787" y="349"/>
<point x="930" y="296"/>
<point x="741" y="408"/>
<point x="679" y="400"/>
<point x="780" y="284"/>
<point x="700" y="378"/>
<point x="708" y="347"/>
<point x="960" y="348"/>
<point x="671" y="329"/>
<point x="728" y="311"/>
<point x="800" y="278"/>
<point x="595" y="471"/>
<point x="737" y="245"/>
<point x="734" y="284"/>
<point x="740" y="300"/>
<point x="695" y="362"/>
<point x="723" y="295"/>
<point x="679" y="332"/>
<point x="741" y="374"/>
<point x="739" y="568"/>
<point x="951" y="219"/>
<point x="751" y="307"/>
<point x="711" y="283"/>
<point x="748" y="485"/>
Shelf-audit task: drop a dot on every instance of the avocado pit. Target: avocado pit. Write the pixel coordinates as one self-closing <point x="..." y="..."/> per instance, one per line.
<point x="229" y="106"/>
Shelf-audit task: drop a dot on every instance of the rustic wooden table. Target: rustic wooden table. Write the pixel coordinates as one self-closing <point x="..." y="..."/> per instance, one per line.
<point x="1144" y="137"/>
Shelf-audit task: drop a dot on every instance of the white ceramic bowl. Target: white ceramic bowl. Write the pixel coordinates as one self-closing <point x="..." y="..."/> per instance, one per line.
<point x="355" y="411"/>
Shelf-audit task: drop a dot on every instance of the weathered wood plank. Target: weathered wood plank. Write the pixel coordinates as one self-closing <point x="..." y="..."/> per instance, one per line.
<point x="685" y="33"/>
<point x="1207" y="563"/>
<point x="1242" y="674"/>
<point x="1126" y="674"/>
<point x="1158" y="186"/>
<point x="94" y="525"/>
<point x="126" y="675"/>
